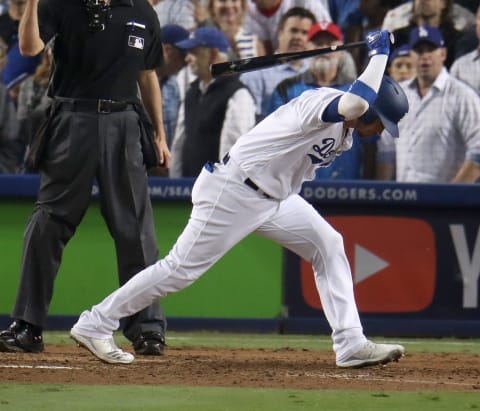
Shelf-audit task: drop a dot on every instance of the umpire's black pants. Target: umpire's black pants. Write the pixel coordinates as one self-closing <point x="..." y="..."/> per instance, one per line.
<point x="84" y="146"/>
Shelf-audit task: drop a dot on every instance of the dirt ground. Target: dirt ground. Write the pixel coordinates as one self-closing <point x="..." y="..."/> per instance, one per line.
<point x="285" y="368"/>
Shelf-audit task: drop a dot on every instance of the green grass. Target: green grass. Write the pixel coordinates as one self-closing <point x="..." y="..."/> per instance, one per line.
<point x="106" y="398"/>
<point x="56" y="397"/>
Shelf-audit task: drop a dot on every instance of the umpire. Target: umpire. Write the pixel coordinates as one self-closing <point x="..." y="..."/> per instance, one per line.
<point x="104" y="52"/>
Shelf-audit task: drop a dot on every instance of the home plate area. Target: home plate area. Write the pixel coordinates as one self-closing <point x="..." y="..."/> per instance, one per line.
<point x="256" y="368"/>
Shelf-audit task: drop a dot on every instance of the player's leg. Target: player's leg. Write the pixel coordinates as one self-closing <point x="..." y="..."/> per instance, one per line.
<point x="300" y="228"/>
<point x="127" y="210"/>
<point x="224" y="212"/>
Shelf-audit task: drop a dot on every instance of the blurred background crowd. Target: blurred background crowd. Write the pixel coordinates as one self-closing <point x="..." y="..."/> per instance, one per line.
<point x="435" y="57"/>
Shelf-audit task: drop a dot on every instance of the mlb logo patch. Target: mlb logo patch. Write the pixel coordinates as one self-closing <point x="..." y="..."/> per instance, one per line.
<point x="136" y="42"/>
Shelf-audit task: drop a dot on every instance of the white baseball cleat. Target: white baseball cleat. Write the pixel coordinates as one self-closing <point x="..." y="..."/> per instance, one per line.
<point x="106" y="349"/>
<point x="373" y="354"/>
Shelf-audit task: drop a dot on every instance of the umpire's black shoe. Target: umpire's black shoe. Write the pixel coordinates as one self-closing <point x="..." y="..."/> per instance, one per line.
<point x="21" y="337"/>
<point x="149" y="343"/>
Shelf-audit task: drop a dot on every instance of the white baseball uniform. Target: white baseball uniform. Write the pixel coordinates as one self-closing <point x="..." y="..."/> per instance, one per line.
<point x="277" y="155"/>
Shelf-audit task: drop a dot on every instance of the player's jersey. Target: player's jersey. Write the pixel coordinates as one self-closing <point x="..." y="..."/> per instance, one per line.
<point x="286" y="148"/>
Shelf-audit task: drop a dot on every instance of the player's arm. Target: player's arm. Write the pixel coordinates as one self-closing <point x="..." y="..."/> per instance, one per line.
<point x="363" y="92"/>
<point x="152" y="101"/>
<point x="30" y="42"/>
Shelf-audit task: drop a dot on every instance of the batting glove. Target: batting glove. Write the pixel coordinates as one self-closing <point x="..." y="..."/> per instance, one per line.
<point x="378" y="42"/>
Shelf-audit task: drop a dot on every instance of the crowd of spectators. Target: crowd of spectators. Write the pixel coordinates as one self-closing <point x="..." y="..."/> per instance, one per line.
<point x="203" y="116"/>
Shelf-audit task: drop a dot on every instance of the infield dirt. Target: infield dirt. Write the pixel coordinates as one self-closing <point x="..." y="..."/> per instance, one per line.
<point x="283" y="368"/>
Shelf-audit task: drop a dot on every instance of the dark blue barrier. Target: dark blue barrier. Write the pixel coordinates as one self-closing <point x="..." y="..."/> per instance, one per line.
<point x="26" y="186"/>
<point x="415" y="256"/>
<point x="325" y="192"/>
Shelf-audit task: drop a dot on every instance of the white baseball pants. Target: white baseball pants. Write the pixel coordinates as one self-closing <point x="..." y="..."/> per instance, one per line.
<point x="225" y="210"/>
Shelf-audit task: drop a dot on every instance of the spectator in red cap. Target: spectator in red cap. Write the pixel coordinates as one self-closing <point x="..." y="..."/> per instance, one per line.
<point x="326" y="34"/>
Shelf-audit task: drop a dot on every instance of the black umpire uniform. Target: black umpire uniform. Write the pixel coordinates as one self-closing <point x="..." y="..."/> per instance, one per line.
<point x="94" y="133"/>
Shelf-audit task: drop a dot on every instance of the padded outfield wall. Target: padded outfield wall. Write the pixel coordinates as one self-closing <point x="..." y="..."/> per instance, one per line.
<point x="414" y="251"/>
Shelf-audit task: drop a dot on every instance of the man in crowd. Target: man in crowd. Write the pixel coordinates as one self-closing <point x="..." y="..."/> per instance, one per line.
<point x="440" y="135"/>
<point x="215" y="112"/>
<point x="292" y="37"/>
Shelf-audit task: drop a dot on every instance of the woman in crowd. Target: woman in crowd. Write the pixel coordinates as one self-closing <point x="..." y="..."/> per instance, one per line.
<point x="229" y="16"/>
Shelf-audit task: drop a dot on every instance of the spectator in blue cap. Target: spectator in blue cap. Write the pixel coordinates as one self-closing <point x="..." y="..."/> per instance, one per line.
<point x="438" y="14"/>
<point x="173" y="62"/>
<point x="207" y="37"/>
<point x="426" y="34"/>
<point x="400" y="64"/>
<point x="440" y="135"/>
<point x="215" y="112"/>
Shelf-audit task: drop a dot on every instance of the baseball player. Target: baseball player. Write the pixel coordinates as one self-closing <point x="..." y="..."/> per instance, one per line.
<point x="255" y="189"/>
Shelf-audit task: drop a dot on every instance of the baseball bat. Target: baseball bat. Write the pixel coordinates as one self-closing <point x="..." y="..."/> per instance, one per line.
<point x="256" y="63"/>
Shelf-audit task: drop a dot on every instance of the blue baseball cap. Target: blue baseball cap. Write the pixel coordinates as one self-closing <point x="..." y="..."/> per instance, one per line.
<point x="427" y="34"/>
<point x="173" y="33"/>
<point x="402" y="51"/>
<point x="206" y="37"/>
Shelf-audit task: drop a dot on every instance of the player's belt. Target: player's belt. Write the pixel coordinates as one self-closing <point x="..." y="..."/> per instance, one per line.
<point x="93" y="106"/>
<point x="248" y="182"/>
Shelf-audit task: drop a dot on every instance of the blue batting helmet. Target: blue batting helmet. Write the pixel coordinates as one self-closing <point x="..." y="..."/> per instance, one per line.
<point x="390" y="106"/>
